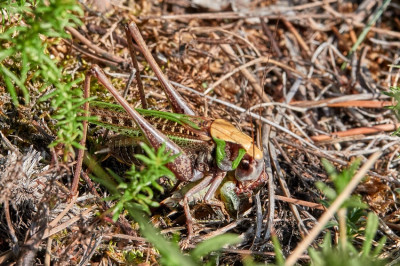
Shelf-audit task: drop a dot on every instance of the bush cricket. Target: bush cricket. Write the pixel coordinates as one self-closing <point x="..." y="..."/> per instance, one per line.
<point x="207" y="149"/>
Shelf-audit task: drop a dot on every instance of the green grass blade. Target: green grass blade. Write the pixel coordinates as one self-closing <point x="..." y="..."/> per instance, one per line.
<point x="170" y="252"/>
<point x="214" y="244"/>
<point x="364" y="33"/>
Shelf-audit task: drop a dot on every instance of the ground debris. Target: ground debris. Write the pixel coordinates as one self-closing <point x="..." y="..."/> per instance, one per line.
<point x="258" y="64"/>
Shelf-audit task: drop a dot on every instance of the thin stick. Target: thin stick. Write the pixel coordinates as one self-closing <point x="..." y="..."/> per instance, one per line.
<point x="297" y="35"/>
<point x="47" y="258"/>
<point x="49" y="232"/>
<point x="241" y="14"/>
<point x="366" y="104"/>
<point x="77" y="174"/>
<point x="271" y="38"/>
<point x="331" y="210"/>
<point x="129" y="83"/>
<point x="136" y="66"/>
<point x="357" y="131"/>
<point x="11" y="230"/>
<point x="221" y="230"/>
<point x="300" y="202"/>
<point x="63" y="213"/>
<point x="95" y="48"/>
<point x="89" y="54"/>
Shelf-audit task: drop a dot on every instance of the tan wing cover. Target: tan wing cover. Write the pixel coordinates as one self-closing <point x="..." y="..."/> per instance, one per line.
<point x="224" y="130"/>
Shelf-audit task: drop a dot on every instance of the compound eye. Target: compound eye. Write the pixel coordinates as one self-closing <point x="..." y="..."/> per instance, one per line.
<point x="249" y="169"/>
<point x="244" y="165"/>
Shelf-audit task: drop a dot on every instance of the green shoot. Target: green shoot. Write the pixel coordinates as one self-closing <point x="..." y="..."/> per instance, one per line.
<point x="25" y="42"/>
<point x="280" y="260"/>
<point x="138" y="190"/>
<point x="350" y="255"/>
<point x="395" y="94"/>
<point x="375" y="17"/>
<point x="28" y="29"/>
<point x="355" y="208"/>
<point x="355" y="220"/>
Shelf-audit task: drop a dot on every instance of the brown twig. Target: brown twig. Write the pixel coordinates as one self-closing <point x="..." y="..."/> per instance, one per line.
<point x="298" y="37"/>
<point x="221" y="230"/>
<point x="253" y="81"/>
<point x="47" y="233"/>
<point x="301" y="202"/>
<point x="95" y="48"/>
<point x="11" y="230"/>
<point x="343" y="102"/>
<point x="178" y="103"/>
<point x="357" y="131"/>
<point x="92" y="56"/>
<point x="271" y="38"/>
<point x="366" y="104"/>
<point x="75" y="182"/>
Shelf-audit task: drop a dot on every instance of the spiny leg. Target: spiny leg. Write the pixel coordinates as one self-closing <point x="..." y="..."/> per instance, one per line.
<point x="218" y="177"/>
<point x="189" y="219"/>
<point x="181" y="166"/>
<point x="215" y="180"/>
<point x="178" y="103"/>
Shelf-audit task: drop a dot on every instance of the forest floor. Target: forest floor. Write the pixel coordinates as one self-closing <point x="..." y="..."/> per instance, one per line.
<point x="307" y="81"/>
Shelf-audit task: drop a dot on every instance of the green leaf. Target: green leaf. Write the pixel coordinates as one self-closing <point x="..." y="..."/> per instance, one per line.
<point x="280" y="260"/>
<point x="329" y="192"/>
<point x="214" y="244"/>
<point x="170" y="252"/>
<point x="379" y="247"/>
<point x="370" y="231"/>
<point x="329" y="168"/>
<point x="10" y="88"/>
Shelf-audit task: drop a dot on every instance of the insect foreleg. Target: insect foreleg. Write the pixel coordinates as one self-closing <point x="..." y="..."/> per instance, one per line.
<point x="218" y="177"/>
<point x="189" y="220"/>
